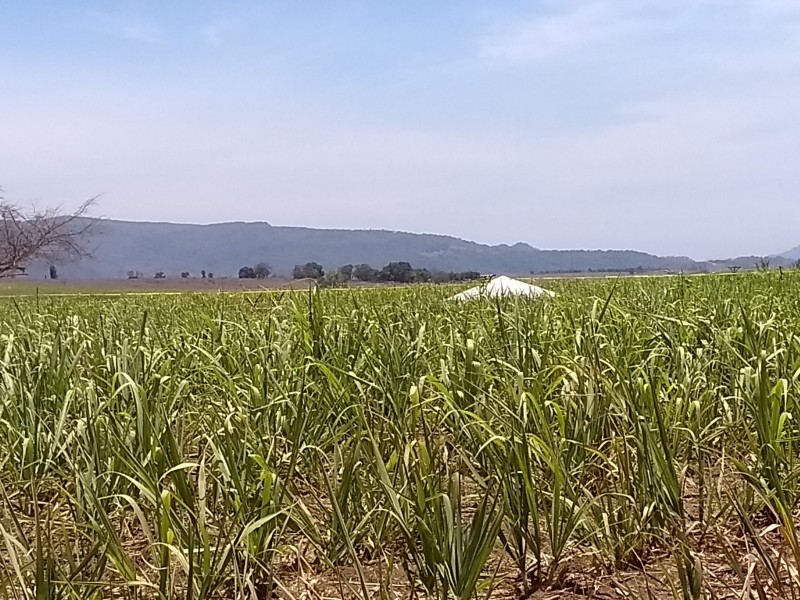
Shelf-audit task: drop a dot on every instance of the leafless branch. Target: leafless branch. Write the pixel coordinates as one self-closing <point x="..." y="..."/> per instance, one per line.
<point x="49" y="234"/>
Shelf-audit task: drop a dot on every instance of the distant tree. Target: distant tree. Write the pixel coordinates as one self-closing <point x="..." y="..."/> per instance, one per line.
<point x="398" y="272"/>
<point x="262" y="270"/>
<point x="159" y="275"/>
<point x="247" y="273"/>
<point x="346" y="271"/>
<point x="734" y="268"/>
<point x="447" y="277"/>
<point x="203" y="273"/>
<point x="332" y="280"/>
<point x="310" y="270"/>
<point x="185" y="275"/>
<point x="365" y="272"/>
<point x="53" y="272"/>
<point x="210" y="275"/>
<point x="468" y="276"/>
<point x="422" y="275"/>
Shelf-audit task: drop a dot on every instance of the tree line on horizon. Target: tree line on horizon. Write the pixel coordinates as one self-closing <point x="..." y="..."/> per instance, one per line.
<point x="393" y="272"/>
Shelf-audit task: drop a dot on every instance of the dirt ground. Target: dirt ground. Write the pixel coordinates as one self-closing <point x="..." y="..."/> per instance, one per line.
<point x="22" y="287"/>
<point x="723" y="578"/>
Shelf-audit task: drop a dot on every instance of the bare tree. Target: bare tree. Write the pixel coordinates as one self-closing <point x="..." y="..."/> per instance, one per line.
<point x="49" y="234"/>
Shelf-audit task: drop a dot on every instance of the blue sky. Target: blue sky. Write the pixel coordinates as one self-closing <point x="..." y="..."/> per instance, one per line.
<point x="670" y="126"/>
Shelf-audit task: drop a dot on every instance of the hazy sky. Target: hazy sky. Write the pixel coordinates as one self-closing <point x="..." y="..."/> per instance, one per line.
<point x="670" y="126"/>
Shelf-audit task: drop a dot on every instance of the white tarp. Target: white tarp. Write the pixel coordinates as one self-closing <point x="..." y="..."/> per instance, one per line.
<point x="504" y="286"/>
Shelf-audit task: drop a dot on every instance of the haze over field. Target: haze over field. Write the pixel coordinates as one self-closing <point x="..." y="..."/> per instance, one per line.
<point x="670" y="127"/>
<point x="119" y="247"/>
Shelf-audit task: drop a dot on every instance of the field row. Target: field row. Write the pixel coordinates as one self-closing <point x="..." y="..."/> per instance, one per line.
<point x="633" y="436"/>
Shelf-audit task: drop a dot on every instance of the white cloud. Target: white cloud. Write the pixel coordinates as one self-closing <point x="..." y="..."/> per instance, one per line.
<point x="216" y="33"/>
<point x="131" y="27"/>
<point x="572" y="26"/>
<point x="556" y="33"/>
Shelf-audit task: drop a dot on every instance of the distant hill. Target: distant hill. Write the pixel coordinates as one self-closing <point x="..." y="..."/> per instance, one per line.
<point x="122" y="246"/>
<point x="793" y="254"/>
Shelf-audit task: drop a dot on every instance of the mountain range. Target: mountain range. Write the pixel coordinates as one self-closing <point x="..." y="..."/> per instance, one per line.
<point x="793" y="254"/>
<point x="119" y="247"/>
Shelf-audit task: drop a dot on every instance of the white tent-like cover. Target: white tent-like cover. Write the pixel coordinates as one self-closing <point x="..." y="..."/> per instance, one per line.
<point x="504" y="286"/>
